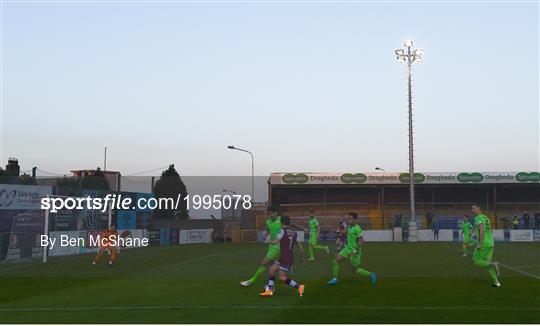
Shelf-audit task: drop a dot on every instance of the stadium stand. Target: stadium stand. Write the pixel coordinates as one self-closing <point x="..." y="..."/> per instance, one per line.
<point x="377" y="205"/>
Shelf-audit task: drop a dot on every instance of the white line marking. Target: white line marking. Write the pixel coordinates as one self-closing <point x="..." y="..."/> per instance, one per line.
<point x="192" y="260"/>
<point x="529" y="266"/>
<point x="34" y="263"/>
<point x="503" y="265"/>
<point x="520" y="271"/>
<point x="31" y="263"/>
<point x="255" y="307"/>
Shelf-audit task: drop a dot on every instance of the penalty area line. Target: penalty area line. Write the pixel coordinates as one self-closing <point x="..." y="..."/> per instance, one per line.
<point x="192" y="260"/>
<point x="520" y="271"/>
<point x="503" y="265"/>
<point x="255" y="307"/>
<point x="19" y="265"/>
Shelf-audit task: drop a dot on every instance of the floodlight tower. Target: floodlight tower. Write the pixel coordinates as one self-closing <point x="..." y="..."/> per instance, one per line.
<point x="409" y="57"/>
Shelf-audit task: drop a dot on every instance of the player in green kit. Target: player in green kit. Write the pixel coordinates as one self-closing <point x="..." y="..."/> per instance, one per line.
<point x="314" y="231"/>
<point x="352" y="252"/>
<point x="273" y="227"/>
<point x="466" y="234"/>
<point x="483" y="253"/>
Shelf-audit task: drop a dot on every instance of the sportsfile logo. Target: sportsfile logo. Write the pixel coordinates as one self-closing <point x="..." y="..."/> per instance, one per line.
<point x="470" y="177"/>
<point x="528" y="177"/>
<point x="353" y="178"/>
<point x="295" y="178"/>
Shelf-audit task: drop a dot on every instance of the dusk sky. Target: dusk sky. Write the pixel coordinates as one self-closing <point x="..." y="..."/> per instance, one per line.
<point x="304" y="86"/>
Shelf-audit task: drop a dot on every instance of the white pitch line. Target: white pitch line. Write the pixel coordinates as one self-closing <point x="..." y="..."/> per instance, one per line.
<point x="528" y="266"/>
<point x="255" y="307"/>
<point x="192" y="260"/>
<point x="34" y="263"/>
<point x="504" y="265"/>
<point x="520" y="271"/>
<point x="18" y="265"/>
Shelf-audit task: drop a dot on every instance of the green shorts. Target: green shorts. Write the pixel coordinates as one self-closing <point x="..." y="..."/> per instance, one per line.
<point x="313" y="239"/>
<point x="485" y="253"/>
<point x="273" y="252"/>
<point x="469" y="240"/>
<point x="354" y="258"/>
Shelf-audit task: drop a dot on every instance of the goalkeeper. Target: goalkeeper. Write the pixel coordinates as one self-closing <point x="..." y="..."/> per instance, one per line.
<point x="111" y="235"/>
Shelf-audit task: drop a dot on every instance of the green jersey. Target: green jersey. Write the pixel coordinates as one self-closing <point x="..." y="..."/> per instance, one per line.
<point x="353" y="234"/>
<point x="273" y="226"/>
<point x="313" y="226"/>
<point x="466" y="229"/>
<point x="488" y="234"/>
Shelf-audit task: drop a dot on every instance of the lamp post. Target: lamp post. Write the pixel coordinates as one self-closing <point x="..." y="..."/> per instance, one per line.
<point x="409" y="57"/>
<point x="232" y="206"/>
<point x="252" y="168"/>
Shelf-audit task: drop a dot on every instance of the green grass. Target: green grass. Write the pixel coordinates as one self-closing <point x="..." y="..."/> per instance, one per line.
<point x="418" y="283"/>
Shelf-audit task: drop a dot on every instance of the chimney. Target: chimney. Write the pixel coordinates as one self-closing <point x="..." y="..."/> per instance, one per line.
<point x="12" y="168"/>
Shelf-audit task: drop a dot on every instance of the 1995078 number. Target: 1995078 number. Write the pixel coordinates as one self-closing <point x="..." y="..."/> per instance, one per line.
<point x="217" y="201"/>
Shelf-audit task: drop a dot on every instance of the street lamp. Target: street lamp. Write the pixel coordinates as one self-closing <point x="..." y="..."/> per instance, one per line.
<point x="380" y="169"/>
<point x="252" y="168"/>
<point x="231" y="191"/>
<point x="409" y="57"/>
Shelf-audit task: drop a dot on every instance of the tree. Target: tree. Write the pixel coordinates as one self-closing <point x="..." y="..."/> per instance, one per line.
<point x="170" y="185"/>
<point x="95" y="182"/>
<point x="24" y="179"/>
<point x="68" y="185"/>
<point x="66" y="182"/>
<point x="4" y="177"/>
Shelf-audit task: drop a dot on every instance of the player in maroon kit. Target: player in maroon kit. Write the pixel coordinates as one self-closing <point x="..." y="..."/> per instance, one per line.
<point x="287" y="239"/>
<point x="342" y="235"/>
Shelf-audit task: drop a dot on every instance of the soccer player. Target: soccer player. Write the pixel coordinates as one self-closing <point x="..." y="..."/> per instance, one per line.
<point x="286" y="238"/>
<point x="342" y="235"/>
<point x="273" y="227"/>
<point x="466" y="234"/>
<point x="314" y="231"/>
<point x="352" y="252"/>
<point x="483" y="253"/>
<point x="110" y="234"/>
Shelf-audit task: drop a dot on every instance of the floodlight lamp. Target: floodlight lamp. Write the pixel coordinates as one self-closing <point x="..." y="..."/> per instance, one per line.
<point x="408" y="43"/>
<point x="418" y="52"/>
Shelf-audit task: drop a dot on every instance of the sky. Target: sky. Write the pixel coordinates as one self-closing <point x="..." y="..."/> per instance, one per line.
<point x="304" y="86"/>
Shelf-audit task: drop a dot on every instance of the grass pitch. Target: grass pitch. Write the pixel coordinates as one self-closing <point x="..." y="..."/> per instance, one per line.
<point x="418" y="283"/>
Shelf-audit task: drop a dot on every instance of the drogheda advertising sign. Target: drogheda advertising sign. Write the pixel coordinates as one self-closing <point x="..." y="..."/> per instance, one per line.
<point x="402" y="178"/>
